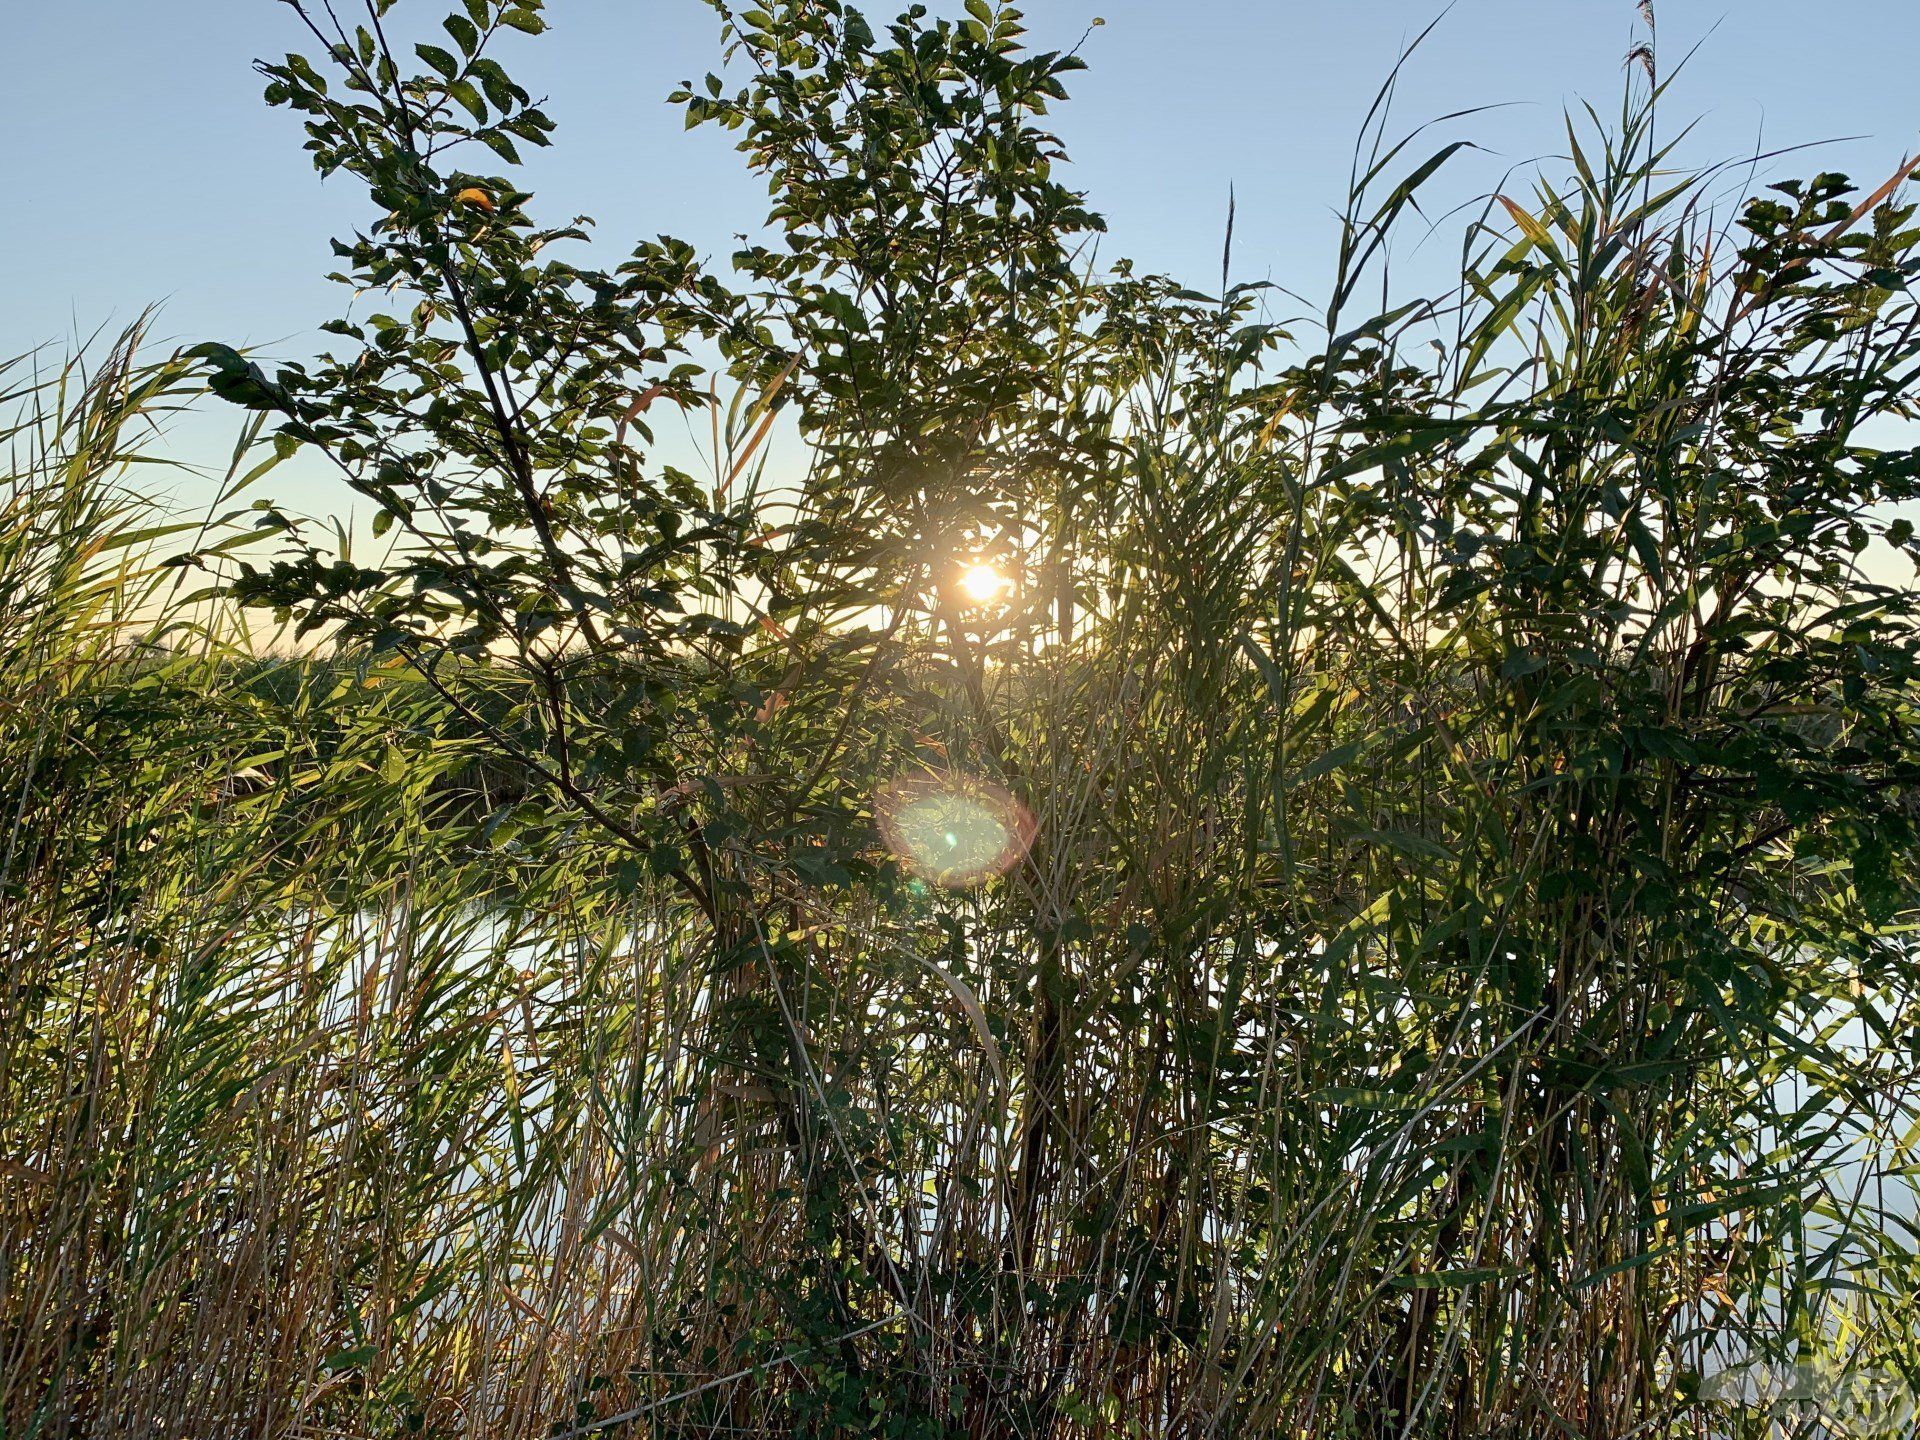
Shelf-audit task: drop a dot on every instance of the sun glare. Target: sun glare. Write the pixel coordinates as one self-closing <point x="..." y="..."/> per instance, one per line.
<point x="956" y="831"/>
<point x="982" y="584"/>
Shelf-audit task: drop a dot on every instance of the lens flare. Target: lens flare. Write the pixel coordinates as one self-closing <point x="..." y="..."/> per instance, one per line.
<point x="953" y="830"/>
<point x="982" y="584"/>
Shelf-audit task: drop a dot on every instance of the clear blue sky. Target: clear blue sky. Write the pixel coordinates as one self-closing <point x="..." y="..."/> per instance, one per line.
<point x="142" y="167"/>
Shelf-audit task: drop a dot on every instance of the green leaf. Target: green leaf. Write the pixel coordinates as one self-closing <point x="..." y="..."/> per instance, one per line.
<point x="349" y="1359"/>
<point x="501" y="91"/>
<point x="500" y="145"/>
<point x="1324" y="763"/>
<point x="464" y="33"/>
<point x="1456" y="1279"/>
<point x="439" y="59"/>
<point x="463" y="91"/>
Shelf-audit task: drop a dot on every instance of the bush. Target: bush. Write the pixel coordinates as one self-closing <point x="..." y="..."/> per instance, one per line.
<point x="1178" y="878"/>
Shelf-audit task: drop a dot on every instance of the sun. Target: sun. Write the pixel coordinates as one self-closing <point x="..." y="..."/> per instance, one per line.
<point x="982" y="583"/>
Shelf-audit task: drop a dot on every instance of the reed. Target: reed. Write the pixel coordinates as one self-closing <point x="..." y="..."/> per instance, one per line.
<point x="1444" y="966"/>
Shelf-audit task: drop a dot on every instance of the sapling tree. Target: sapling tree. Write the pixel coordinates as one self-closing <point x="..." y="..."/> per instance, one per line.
<point x="495" y="401"/>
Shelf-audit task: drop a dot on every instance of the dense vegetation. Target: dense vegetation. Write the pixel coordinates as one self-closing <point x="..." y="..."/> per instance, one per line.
<point x="1422" y="940"/>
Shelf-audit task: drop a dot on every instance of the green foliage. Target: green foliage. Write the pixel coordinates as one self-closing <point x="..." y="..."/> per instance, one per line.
<point x="1456" y="975"/>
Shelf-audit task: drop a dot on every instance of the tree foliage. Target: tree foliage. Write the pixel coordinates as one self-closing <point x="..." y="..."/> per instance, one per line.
<point x="1449" y="771"/>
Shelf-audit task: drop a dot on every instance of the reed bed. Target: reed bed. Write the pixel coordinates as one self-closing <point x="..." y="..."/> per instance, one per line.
<point x="1446" y="965"/>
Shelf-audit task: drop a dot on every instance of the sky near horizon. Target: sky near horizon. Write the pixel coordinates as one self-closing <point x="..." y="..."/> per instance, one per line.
<point x="145" y="168"/>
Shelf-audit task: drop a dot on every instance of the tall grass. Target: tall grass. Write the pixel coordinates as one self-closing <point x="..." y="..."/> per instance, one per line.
<point x="1460" y="982"/>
